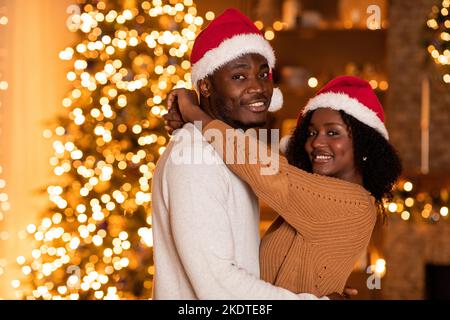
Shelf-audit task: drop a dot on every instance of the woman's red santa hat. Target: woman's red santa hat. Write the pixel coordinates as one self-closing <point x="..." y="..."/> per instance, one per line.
<point x="352" y="95"/>
<point x="355" y="97"/>
<point x="226" y="38"/>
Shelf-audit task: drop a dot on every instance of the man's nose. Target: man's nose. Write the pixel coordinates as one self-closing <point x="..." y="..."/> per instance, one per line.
<point x="255" y="85"/>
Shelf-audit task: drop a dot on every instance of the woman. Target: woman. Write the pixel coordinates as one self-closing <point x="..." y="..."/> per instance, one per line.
<point x="328" y="190"/>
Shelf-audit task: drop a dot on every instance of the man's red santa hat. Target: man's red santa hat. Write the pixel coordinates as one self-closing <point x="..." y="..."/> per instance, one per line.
<point x="226" y="38"/>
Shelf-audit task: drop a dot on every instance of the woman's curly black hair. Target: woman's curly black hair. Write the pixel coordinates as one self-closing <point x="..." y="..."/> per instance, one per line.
<point x="380" y="170"/>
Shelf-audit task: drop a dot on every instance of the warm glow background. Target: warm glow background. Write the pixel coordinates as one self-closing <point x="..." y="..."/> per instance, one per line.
<point x="31" y="42"/>
<point x="395" y="59"/>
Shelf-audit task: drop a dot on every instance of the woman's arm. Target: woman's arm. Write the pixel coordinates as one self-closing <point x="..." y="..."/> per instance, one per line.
<point x="307" y="202"/>
<point x="183" y="107"/>
<point x="310" y="203"/>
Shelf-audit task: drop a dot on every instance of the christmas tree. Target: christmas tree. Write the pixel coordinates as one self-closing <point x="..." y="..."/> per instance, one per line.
<point x="95" y="241"/>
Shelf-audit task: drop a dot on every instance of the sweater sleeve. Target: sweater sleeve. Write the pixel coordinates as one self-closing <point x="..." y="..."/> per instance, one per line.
<point x="204" y="238"/>
<point x="310" y="203"/>
<point x="264" y="177"/>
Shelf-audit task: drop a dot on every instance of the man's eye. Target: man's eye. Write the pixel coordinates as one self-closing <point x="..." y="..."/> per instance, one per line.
<point x="333" y="133"/>
<point x="265" y="75"/>
<point x="238" y="77"/>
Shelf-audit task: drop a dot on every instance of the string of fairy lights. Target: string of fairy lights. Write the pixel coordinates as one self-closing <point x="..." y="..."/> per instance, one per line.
<point x="439" y="45"/>
<point x="419" y="206"/>
<point x="107" y="147"/>
<point x="415" y="206"/>
<point x="410" y="204"/>
<point x="4" y="199"/>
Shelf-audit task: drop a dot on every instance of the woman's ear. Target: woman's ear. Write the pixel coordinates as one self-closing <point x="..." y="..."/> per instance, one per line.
<point x="205" y="87"/>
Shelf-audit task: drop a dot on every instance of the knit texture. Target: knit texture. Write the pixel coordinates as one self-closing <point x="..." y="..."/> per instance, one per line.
<point x="325" y="223"/>
<point x="205" y="227"/>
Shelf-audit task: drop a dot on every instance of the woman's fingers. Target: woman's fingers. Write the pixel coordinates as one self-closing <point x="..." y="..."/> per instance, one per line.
<point x="173" y="121"/>
<point x="173" y="116"/>
<point x="349" y="292"/>
<point x="173" y="97"/>
<point x="175" y="124"/>
<point x="171" y="100"/>
<point x="172" y="126"/>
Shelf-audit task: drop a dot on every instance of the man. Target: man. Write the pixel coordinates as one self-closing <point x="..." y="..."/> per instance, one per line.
<point x="205" y="219"/>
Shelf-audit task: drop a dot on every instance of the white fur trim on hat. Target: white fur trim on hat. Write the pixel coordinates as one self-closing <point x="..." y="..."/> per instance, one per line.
<point x="229" y="50"/>
<point x="341" y="101"/>
<point x="277" y="100"/>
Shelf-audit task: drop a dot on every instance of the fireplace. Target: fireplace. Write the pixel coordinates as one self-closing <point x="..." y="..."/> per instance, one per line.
<point x="437" y="282"/>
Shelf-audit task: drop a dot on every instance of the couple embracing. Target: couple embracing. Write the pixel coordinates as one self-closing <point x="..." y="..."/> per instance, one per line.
<point x="327" y="188"/>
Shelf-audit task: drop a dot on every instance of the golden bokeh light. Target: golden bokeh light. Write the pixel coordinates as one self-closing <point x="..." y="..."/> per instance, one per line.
<point x="439" y="26"/>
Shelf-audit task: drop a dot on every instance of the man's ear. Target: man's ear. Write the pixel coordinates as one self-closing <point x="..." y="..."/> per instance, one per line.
<point x="205" y="87"/>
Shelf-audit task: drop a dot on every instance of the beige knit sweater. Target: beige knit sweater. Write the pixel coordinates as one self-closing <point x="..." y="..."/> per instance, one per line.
<point x="324" y="226"/>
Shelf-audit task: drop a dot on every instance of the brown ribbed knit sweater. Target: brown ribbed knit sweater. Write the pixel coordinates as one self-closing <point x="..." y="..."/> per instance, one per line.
<point x="325" y="223"/>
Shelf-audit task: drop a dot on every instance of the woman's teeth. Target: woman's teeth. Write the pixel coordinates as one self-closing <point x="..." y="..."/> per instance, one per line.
<point x="323" y="157"/>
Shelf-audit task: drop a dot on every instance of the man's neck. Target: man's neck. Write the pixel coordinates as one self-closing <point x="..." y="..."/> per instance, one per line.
<point x="204" y="105"/>
<point x="217" y="116"/>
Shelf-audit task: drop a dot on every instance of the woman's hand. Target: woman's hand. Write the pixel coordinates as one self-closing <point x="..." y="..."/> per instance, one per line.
<point x="187" y="103"/>
<point x="347" y="295"/>
<point x="173" y="119"/>
<point x="183" y="106"/>
<point x="349" y="292"/>
<point x="336" y="296"/>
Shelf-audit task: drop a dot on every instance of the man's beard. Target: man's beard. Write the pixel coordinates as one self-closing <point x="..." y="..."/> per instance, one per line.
<point x="222" y="112"/>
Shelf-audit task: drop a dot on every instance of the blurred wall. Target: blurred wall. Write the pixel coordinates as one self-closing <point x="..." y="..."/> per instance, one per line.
<point x="33" y="38"/>
<point x="408" y="62"/>
<point x="409" y="248"/>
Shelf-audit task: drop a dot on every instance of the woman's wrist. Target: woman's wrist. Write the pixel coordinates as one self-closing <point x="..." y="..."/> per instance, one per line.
<point x="202" y="116"/>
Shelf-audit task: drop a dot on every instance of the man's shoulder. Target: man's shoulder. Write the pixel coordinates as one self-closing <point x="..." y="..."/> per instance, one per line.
<point x="196" y="162"/>
<point x="186" y="136"/>
<point x="190" y="150"/>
